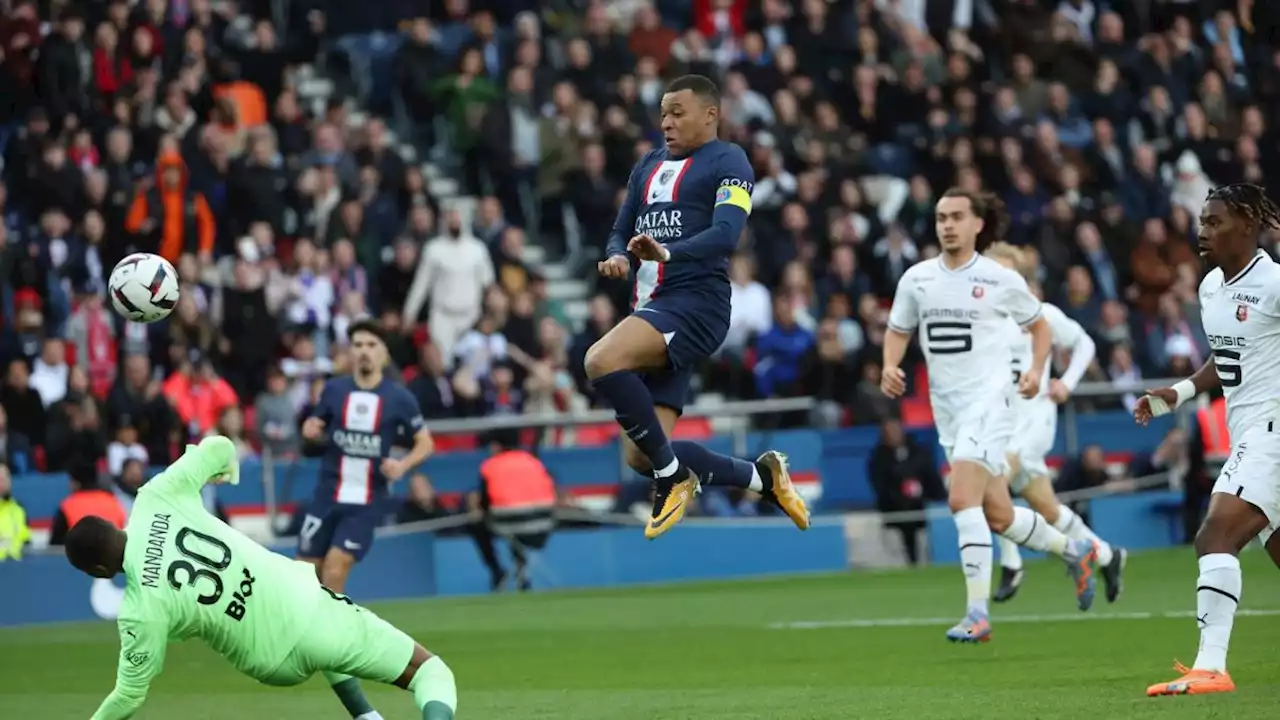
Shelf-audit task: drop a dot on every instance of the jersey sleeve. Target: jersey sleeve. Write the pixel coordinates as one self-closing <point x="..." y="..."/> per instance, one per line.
<point x="329" y="406"/>
<point x="1016" y="301"/>
<point x="624" y="224"/>
<point x="408" y="412"/>
<point x="904" y="315"/>
<point x="1067" y="333"/>
<point x="142" y="649"/>
<point x="215" y="455"/>
<point x="735" y="181"/>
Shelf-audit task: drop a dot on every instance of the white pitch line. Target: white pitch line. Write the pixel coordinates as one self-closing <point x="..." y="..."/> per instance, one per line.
<point x="1000" y="619"/>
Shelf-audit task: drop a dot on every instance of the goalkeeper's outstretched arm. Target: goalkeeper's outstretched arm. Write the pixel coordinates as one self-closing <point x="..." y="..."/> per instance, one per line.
<point x="142" y="650"/>
<point x="215" y="460"/>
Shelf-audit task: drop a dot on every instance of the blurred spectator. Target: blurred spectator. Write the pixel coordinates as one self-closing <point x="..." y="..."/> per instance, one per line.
<point x="170" y="217"/>
<point x="276" y="414"/>
<point x="905" y="478"/>
<point x="454" y="271"/>
<point x="15" y="448"/>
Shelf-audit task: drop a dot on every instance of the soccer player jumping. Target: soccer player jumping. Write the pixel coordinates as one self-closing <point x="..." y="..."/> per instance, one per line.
<point x="359" y="417"/>
<point x="189" y="575"/>
<point x="1240" y="311"/>
<point x="686" y="206"/>
<point x="961" y="302"/>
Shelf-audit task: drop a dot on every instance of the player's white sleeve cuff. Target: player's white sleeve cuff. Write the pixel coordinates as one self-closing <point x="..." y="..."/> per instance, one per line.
<point x="899" y="329"/>
<point x="666" y="253"/>
<point x="1025" y="323"/>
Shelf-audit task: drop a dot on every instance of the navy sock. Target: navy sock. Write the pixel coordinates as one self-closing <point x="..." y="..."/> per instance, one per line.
<point x="633" y="404"/>
<point x="713" y="468"/>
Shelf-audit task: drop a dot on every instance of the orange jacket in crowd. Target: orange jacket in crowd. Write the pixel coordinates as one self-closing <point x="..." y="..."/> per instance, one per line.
<point x="198" y="401"/>
<point x="178" y="217"/>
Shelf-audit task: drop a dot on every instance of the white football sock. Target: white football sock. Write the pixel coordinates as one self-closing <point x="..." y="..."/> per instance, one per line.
<point x="667" y="471"/>
<point x="974" y="537"/>
<point x="1217" y="597"/>
<point x="1010" y="557"/>
<point x="757" y="482"/>
<point x="1074" y="527"/>
<point x="370" y="716"/>
<point x="1033" y="532"/>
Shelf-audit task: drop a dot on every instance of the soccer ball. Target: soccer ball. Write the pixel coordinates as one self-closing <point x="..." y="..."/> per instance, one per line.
<point x="143" y="288"/>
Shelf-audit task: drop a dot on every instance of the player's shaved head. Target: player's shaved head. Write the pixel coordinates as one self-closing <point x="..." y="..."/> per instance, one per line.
<point x="96" y="547"/>
<point x="701" y="86"/>
<point x="690" y="113"/>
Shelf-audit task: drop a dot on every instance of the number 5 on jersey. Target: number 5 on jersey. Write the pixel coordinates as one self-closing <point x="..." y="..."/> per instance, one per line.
<point x="948" y="338"/>
<point x="1227" y="364"/>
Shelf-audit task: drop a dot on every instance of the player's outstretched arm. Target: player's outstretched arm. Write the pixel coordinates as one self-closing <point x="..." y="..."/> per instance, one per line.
<point x="214" y="459"/>
<point x="1165" y="400"/>
<point x="142" y="649"/>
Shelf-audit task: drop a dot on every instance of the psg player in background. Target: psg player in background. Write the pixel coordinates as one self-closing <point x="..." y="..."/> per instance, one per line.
<point x="686" y="206"/>
<point x="359" y="417"/>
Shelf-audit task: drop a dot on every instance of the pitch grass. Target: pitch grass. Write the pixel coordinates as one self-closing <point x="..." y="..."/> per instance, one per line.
<point x="724" y="650"/>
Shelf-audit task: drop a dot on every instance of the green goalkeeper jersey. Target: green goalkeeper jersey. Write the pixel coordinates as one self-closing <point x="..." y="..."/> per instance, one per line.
<point x="190" y="575"/>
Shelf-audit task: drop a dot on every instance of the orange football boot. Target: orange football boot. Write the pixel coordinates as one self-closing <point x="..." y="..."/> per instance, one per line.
<point x="669" y="508"/>
<point x="784" y="493"/>
<point x="1193" y="682"/>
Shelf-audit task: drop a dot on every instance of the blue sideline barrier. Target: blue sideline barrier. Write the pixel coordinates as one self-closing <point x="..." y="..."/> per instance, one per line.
<point x="838" y="457"/>
<point x="418" y="565"/>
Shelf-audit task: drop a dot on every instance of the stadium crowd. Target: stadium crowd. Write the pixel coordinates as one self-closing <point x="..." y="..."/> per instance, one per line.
<point x="184" y="127"/>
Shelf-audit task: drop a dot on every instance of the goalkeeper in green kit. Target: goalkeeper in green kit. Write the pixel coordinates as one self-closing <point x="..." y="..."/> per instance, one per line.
<point x="190" y="575"/>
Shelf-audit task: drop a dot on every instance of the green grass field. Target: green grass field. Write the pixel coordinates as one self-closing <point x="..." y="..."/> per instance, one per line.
<point x="856" y="645"/>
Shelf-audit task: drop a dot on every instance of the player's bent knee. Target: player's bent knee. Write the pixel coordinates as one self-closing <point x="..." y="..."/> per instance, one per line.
<point x="600" y="361"/>
<point x="967" y="486"/>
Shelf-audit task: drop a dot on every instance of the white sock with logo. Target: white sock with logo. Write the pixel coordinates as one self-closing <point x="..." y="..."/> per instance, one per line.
<point x="974" y="538"/>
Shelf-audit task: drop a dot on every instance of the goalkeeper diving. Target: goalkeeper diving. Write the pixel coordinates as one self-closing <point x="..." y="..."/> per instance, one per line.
<point x="189" y="575"/>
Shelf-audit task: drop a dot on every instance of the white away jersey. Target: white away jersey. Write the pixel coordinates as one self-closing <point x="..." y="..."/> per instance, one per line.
<point x="1241" y="316"/>
<point x="963" y="316"/>
<point x="1067" y="333"/>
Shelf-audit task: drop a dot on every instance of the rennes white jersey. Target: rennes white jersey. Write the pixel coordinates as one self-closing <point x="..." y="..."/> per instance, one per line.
<point x="964" y="316"/>
<point x="1067" y="333"/>
<point x="1241" y="316"/>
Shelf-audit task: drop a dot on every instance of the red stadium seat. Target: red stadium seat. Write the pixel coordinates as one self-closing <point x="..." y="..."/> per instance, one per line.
<point x="40" y="458"/>
<point x="593" y="435"/>
<point x="921" y="382"/>
<point x="916" y="412"/>
<point x="455" y="443"/>
<point x="698" y="428"/>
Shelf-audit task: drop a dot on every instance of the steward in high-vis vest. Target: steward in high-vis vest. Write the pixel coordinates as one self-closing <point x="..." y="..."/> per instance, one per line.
<point x="518" y="499"/>
<point x="14" y="532"/>
<point x="1214" y="436"/>
<point x="168" y="217"/>
<point x="86" y="499"/>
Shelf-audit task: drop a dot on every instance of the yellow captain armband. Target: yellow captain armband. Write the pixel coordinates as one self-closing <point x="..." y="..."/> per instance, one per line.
<point x="736" y="193"/>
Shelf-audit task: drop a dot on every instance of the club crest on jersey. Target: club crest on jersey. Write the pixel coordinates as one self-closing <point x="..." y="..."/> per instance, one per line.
<point x="667" y="176"/>
<point x="1242" y="312"/>
<point x="979" y="291"/>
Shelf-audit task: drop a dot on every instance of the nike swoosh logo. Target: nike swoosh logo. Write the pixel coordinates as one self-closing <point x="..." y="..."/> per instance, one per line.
<point x="658" y="521"/>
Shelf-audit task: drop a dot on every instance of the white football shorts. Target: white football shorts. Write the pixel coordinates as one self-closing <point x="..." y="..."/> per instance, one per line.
<point x="1252" y="473"/>
<point x="1035" y="428"/>
<point x="978" y="432"/>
